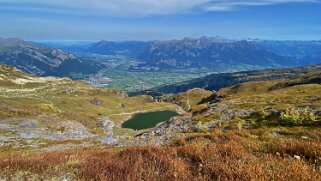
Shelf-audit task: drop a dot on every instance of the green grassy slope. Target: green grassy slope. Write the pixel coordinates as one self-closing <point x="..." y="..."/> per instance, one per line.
<point x="23" y="95"/>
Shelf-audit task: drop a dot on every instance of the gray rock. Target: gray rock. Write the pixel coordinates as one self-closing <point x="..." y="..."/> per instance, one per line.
<point x="108" y="128"/>
<point x="109" y="140"/>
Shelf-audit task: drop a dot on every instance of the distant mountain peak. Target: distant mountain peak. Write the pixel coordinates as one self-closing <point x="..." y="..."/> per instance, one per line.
<point x="14" y="42"/>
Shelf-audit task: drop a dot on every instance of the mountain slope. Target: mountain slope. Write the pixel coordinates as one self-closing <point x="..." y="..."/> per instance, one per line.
<point x="298" y="49"/>
<point x="36" y="59"/>
<point x="307" y="52"/>
<point x="218" y="81"/>
<point x="59" y="108"/>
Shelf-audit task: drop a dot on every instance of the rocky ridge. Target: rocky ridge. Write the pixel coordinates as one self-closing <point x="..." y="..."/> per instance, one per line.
<point x="38" y="59"/>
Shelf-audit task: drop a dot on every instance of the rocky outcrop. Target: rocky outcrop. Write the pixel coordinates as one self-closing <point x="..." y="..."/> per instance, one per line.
<point x="47" y="128"/>
<point x="108" y="129"/>
<point x="181" y="126"/>
<point x="165" y="132"/>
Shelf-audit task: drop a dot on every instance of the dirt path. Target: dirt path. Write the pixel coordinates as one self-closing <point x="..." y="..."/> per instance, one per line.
<point x="188" y="102"/>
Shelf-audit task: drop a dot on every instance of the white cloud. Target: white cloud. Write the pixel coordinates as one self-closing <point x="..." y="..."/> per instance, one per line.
<point x="144" y="7"/>
<point x="227" y="5"/>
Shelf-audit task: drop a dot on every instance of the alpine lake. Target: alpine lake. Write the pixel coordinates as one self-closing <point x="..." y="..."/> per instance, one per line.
<point x="148" y="120"/>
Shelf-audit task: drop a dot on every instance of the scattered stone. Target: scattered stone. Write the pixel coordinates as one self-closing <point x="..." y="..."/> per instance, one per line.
<point x="4" y="139"/>
<point x="96" y="102"/>
<point x="304" y="137"/>
<point x="297" y="157"/>
<point x="274" y="134"/>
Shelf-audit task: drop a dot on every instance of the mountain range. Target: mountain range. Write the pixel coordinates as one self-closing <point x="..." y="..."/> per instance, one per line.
<point x="298" y="49"/>
<point x="211" y="53"/>
<point x="215" y="53"/>
<point x="38" y="59"/>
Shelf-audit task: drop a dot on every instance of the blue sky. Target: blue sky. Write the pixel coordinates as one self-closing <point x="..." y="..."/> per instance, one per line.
<point x="159" y="19"/>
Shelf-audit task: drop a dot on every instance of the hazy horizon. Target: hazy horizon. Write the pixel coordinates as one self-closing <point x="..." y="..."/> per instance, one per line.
<point x="71" y="41"/>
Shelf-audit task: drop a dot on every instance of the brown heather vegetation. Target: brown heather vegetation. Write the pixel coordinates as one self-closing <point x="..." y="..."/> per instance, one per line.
<point x="220" y="155"/>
